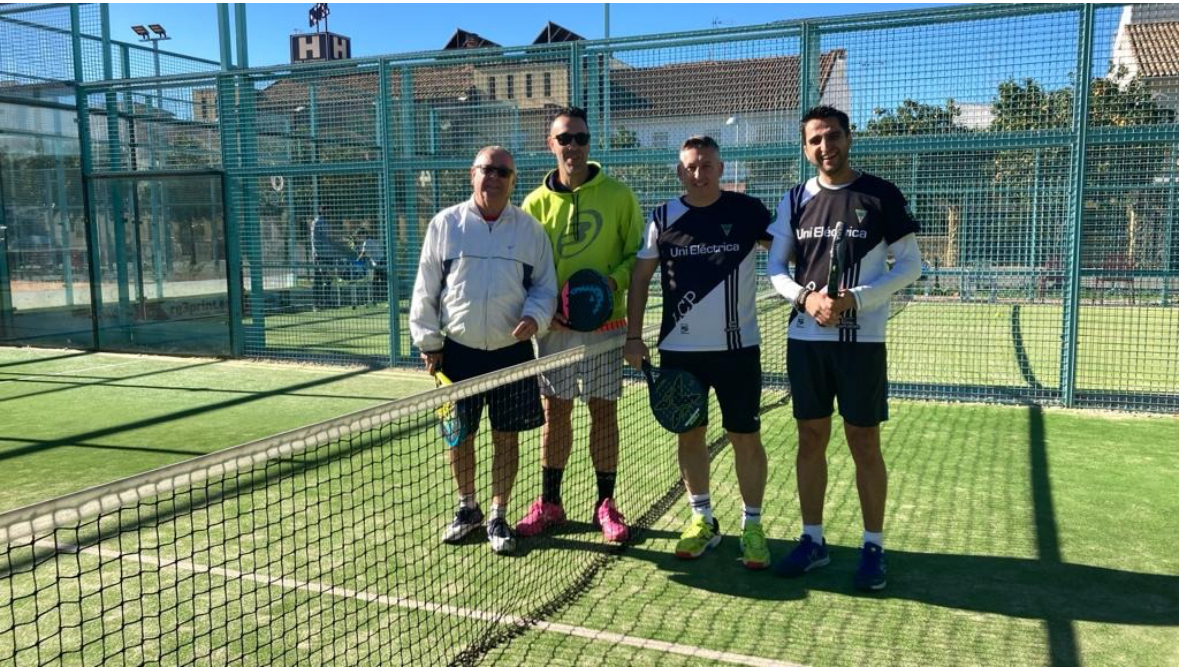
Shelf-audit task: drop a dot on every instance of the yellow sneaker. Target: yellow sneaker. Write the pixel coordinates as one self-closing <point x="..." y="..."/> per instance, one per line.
<point x="755" y="553"/>
<point x="699" y="537"/>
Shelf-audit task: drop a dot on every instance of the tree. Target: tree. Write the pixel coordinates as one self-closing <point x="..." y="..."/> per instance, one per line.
<point x="913" y="117"/>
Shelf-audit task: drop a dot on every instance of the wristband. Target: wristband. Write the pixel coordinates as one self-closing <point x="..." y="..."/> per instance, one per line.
<point x="800" y="300"/>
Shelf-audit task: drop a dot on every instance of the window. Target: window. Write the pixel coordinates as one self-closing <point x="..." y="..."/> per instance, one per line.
<point x="491" y="87"/>
<point x="528" y="85"/>
<point x="511" y="86"/>
<point x="548" y="84"/>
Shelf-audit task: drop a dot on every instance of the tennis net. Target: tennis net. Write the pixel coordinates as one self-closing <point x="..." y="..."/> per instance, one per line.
<point x="322" y="545"/>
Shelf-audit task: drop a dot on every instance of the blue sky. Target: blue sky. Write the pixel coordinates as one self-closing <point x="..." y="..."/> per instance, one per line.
<point x="378" y="29"/>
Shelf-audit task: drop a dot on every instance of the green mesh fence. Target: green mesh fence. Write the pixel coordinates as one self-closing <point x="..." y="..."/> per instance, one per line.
<point x="1048" y="217"/>
<point x="52" y="261"/>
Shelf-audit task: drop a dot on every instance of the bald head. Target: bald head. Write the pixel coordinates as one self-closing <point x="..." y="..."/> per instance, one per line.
<point x="486" y="154"/>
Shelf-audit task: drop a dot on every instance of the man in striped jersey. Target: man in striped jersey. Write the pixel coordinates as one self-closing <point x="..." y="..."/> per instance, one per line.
<point x="704" y="243"/>
<point x="836" y="340"/>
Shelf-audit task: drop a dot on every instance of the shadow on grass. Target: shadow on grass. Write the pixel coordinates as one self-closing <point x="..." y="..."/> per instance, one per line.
<point x="38" y="360"/>
<point x="174" y="416"/>
<point x="1015" y="587"/>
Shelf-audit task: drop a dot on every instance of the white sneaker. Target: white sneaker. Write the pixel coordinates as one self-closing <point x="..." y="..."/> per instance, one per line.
<point x="500" y="536"/>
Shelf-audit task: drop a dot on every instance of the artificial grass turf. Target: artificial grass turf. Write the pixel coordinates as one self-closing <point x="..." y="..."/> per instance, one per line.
<point x="74" y="419"/>
<point x="1016" y="536"/>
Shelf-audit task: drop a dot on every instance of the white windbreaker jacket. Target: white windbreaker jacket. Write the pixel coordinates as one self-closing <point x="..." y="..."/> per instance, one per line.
<point x="477" y="279"/>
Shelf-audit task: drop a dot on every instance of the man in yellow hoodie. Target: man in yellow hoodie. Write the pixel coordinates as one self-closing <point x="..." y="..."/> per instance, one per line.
<point x="594" y="222"/>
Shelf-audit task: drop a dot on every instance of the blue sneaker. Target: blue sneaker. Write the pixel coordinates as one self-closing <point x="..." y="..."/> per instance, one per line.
<point x="804" y="558"/>
<point x="870" y="575"/>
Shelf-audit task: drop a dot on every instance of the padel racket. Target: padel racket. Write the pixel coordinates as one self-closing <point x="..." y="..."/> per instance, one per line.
<point x="586" y="300"/>
<point x="450" y="425"/>
<point x="837" y="261"/>
<point x="678" y="400"/>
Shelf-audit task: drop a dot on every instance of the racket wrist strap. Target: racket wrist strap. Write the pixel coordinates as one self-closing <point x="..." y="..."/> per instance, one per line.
<point x="800" y="300"/>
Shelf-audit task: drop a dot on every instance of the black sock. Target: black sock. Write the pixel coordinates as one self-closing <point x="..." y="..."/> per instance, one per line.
<point x="606" y="485"/>
<point x="551" y="484"/>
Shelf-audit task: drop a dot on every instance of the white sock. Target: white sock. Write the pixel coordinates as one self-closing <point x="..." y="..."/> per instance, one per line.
<point x="874" y="538"/>
<point x="497" y="512"/>
<point x="751" y="515"/>
<point x="815" y="531"/>
<point x="467" y="501"/>
<point x="701" y="505"/>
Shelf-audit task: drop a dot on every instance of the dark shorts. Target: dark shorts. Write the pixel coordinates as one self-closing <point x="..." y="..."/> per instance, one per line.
<point x="736" y="377"/>
<point x="855" y="373"/>
<point x="513" y="407"/>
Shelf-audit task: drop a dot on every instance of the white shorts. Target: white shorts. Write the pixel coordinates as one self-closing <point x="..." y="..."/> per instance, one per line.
<point x="596" y="377"/>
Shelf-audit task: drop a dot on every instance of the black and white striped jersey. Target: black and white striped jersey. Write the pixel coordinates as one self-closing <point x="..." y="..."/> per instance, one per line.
<point x="874" y="215"/>
<point x="707" y="267"/>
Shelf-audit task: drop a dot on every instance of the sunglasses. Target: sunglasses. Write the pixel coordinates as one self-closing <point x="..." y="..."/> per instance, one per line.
<point x="492" y="170"/>
<point x="565" y="138"/>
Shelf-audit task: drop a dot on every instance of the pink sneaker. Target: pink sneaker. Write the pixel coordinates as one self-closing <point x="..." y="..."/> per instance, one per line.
<point x="541" y="516"/>
<point x="610" y="520"/>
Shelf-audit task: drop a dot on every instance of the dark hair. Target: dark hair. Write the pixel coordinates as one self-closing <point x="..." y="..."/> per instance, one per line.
<point x="572" y="112"/>
<point x="824" y="112"/>
<point x="699" y="142"/>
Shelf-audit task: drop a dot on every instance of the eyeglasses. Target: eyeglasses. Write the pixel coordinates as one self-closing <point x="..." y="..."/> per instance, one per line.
<point x="491" y="169"/>
<point x="582" y="138"/>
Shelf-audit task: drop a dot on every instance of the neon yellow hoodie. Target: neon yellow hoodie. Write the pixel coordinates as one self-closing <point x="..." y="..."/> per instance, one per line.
<point x="598" y="225"/>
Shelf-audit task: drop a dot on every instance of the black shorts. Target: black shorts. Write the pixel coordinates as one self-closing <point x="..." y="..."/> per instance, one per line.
<point x="513" y="407"/>
<point x="736" y="377"/>
<point x="855" y="373"/>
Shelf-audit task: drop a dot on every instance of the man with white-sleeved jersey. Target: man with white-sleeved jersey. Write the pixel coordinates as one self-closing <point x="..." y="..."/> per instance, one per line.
<point x="704" y="246"/>
<point x="486" y="285"/>
<point x="836" y="347"/>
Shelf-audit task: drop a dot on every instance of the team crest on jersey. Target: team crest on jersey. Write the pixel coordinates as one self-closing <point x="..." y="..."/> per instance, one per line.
<point x="726" y="229"/>
<point x="861" y="214"/>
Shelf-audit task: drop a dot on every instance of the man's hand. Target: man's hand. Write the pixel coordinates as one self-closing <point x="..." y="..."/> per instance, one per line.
<point x="525" y="329"/>
<point x="433" y="361"/>
<point x="634" y="352"/>
<point x="826" y="310"/>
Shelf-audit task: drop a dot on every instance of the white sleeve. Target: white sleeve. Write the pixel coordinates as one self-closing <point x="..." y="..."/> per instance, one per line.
<point x="425" y="325"/>
<point x="781" y="252"/>
<point x="903" y="273"/>
<point x="541" y="301"/>
<point x="650" y="249"/>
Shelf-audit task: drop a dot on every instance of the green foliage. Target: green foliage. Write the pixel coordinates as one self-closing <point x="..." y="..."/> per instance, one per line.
<point x="913" y="117"/>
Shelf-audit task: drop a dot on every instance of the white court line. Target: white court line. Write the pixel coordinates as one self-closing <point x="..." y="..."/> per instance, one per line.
<point x="85" y="370"/>
<point x="417" y="605"/>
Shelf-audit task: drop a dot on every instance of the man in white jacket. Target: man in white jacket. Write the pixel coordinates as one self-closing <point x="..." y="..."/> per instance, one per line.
<point x="486" y="285"/>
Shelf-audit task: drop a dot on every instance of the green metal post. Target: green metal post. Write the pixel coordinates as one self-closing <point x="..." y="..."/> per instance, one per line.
<point x="63" y="212"/>
<point x="408" y="193"/>
<point x="1169" y="230"/>
<point x="133" y="142"/>
<point x="5" y="279"/>
<point x="593" y="100"/>
<point x="226" y="118"/>
<point x="388" y="212"/>
<point x="808" y="85"/>
<point x="575" y="65"/>
<point x="313" y="123"/>
<point x="115" y="163"/>
<point x="86" y="164"/>
<point x="1033" y="238"/>
<point x="1080" y="125"/>
<point x="223" y="34"/>
<point x="248" y="133"/>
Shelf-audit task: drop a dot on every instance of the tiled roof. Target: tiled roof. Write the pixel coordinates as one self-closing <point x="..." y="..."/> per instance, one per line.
<point x="1156" y="47"/>
<point x="724" y="86"/>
